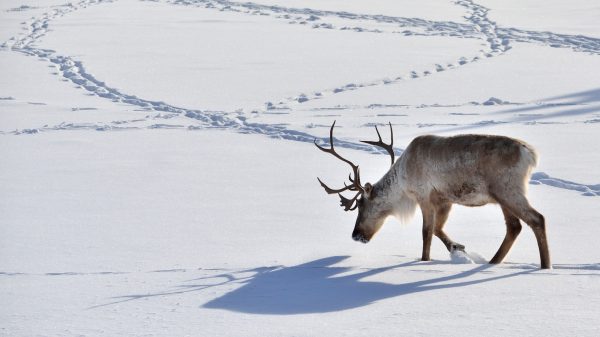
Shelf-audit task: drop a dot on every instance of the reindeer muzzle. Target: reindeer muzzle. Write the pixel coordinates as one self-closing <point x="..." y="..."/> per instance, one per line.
<point x="359" y="237"/>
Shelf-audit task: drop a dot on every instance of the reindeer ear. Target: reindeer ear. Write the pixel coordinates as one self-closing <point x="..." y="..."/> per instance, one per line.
<point x="368" y="190"/>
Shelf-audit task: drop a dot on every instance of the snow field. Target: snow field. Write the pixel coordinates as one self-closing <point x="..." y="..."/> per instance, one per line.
<point x="158" y="178"/>
<point x="156" y="251"/>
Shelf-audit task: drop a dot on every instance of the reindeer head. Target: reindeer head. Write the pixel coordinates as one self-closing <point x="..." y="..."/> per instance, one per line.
<point x="372" y="208"/>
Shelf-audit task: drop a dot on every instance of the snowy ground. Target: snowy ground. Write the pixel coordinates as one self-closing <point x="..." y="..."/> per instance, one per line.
<point x="158" y="177"/>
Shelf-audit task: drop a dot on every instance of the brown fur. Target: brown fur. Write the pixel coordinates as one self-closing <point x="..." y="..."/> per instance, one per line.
<point x="436" y="172"/>
<point x="470" y="170"/>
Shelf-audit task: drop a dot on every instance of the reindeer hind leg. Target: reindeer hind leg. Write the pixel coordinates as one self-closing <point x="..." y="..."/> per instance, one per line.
<point x="519" y="206"/>
<point x="513" y="228"/>
<point x="537" y="222"/>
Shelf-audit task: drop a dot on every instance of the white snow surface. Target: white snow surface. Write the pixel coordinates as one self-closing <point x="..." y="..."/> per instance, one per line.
<point x="157" y="171"/>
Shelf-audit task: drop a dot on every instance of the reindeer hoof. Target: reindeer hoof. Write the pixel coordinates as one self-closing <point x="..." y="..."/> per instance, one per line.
<point x="456" y="246"/>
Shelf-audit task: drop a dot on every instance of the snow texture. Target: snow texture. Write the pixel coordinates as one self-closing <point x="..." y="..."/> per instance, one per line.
<point x="158" y="172"/>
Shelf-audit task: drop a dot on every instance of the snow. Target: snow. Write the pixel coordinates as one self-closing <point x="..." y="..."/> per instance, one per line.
<point x="459" y="256"/>
<point x="432" y="10"/>
<point x="578" y="17"/>
<point x="239" y="61"/>
<point x="158" y="176"/>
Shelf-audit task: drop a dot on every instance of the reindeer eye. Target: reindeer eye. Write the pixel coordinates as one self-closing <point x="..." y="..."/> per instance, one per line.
<point x="372" y="195"/>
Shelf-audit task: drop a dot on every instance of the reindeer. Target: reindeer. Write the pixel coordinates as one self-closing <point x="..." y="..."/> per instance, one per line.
<point x="437" y="172"/>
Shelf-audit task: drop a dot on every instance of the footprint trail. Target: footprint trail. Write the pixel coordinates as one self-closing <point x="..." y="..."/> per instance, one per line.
<point x="498" y="42"/>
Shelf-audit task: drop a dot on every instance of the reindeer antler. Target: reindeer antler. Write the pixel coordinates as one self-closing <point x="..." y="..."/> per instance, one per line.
<point x="388" y="147"/>
<point x="348" y="204"/>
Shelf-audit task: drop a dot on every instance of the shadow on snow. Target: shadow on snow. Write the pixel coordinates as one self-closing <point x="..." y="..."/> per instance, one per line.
<point x="319" y="286"/>
<point x="574" y="104"/>
<point x="313" y="287"/>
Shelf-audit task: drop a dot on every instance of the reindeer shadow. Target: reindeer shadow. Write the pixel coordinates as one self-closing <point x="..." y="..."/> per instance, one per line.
<point x="319" y="287"/>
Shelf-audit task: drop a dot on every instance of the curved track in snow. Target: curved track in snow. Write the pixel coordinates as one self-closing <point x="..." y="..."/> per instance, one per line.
<point x="481" y="27"/>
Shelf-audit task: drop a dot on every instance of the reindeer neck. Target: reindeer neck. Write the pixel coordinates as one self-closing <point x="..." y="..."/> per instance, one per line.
<point x="391" y="185"/>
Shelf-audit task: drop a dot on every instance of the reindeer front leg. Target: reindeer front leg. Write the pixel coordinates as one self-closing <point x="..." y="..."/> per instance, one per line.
<point x="428" y="224"/>
<point x="441" y="215"/>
